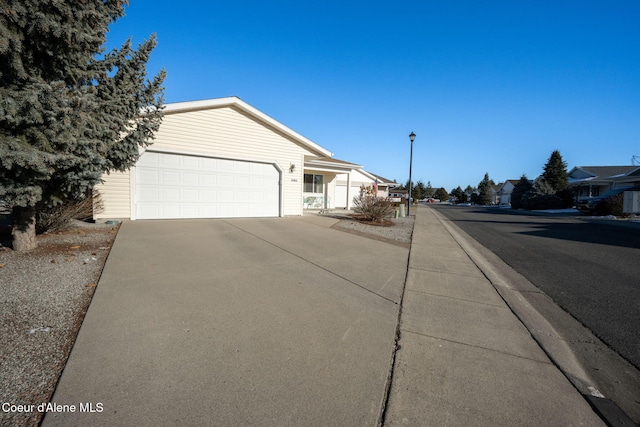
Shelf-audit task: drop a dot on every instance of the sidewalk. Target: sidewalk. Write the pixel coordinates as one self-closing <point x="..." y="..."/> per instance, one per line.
<point x="464" y="358"/>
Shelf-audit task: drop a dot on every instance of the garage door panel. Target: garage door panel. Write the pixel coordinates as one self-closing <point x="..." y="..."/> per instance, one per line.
<point x="190" y="195"/>
<point x="242" y="167"/>
<point x="226" y="180"/>
<point x="208" y="179"/>
<point x="169" y="195"/>
<point x="169" y="177"/>
<point x="168" y="161"/>
<point x="189" y="162"/>
<point x="242" y="181"/>
<point x="243" y="196"/>
<point x="148" y="193"/>
<point x="180" y="186"/>
<point x="149" y="159"/>
<point x="188" y="178"/>
<point x="189" y="209"/>
<point x="209" y="164"/>
<point x="208" y="195"/>
<point x="226" y="166"/>
<point x="149" y="176"/>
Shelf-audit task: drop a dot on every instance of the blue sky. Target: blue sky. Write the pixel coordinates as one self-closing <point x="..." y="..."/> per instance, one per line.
<point x="487" y="86"/>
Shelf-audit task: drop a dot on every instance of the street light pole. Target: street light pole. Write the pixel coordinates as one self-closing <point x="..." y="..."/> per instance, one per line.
<point x="412" y="136"/>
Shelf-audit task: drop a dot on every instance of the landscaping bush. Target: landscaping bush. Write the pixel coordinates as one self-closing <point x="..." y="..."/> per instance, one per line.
<point x="60" y="216"/>
<point x="536" y="202"/>
<point x="567" y="196"/>
<point x="611" y="206"/>
<point x="373" y="208"/>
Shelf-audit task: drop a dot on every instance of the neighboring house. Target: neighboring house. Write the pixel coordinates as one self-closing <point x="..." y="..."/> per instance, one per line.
<point x="503" y="196"/>
<point x="398" y="192"/>
<point x="495" y="198"/>
<point x="222" y="158"/>
<point x="383" y="184"/>
<point x="591" y="181"/>
<point x="348" y="186"/>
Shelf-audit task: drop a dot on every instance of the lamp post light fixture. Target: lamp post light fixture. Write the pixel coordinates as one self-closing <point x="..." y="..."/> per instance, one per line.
<point x="412" y="136"/>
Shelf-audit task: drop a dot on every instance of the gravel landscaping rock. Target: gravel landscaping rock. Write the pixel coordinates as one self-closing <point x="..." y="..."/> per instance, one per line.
<point x="399" y="233"/>
<point x="45" y="293"/>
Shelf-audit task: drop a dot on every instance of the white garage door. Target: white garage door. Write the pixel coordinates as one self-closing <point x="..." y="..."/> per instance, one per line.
<point x="180" y="186"/>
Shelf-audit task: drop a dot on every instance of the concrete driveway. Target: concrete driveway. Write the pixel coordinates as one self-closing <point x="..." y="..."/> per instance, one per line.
<point x="281" y="321"/>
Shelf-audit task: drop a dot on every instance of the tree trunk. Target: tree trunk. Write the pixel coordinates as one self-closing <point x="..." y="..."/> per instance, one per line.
<point x="24" y="228"/>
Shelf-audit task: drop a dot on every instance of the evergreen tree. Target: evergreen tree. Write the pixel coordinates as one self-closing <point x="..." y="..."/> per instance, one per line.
<point x="418" y="192"/>
<point x="520" y="191"/>
<point x="69" y="112"/>
<point x="454" y="193"/>
<point x="441" y="194"/>
<point x="470" y="194"/>
<point x="461" y="196"/>
<point x="555" y="172"/>
<point x="485" y="191"/>
<point x="428" y="190"/>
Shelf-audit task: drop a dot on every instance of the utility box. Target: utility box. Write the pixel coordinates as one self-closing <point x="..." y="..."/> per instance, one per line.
<point x="631" y="202"/>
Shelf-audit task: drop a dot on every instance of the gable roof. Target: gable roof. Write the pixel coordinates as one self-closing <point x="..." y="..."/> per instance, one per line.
<point x="382" y="179"/>
<point x="243" y="107"/>
<point x="579" y="173"/>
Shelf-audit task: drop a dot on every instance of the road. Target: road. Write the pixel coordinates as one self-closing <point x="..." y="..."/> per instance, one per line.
<point x="591" y="268"/>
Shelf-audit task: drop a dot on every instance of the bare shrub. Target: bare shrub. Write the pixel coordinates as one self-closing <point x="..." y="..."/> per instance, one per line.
<point x="60" y="216"/>
<point x="373" y="208"/>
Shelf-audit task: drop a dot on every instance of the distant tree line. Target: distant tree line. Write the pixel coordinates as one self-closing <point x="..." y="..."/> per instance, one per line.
<point x="420" y="191"/>
<point x="551" y="190"/>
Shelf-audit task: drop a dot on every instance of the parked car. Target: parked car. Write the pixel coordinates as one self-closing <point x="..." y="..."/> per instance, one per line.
<point x="589" y="205"/>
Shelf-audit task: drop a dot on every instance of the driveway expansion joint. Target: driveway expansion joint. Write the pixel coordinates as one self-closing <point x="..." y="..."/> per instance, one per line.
<point x="313" y="263"/>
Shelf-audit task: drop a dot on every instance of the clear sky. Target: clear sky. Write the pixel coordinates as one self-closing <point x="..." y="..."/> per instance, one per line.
<point x="487" y="86"/>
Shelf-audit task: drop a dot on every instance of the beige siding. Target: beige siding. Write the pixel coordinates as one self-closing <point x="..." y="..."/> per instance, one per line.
<point x="116" y="195"/>
<point x="227" y="133"/>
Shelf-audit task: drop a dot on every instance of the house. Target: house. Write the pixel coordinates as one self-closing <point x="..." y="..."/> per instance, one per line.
<point x="589" y="181"/>
<point x="339" y="181"/>
<point x="495" y="198"/>
<point x="223" y="158"/>
<point x="503" y="192"/>
<point x="354" y="182"/>
<point x="396" y="192"/>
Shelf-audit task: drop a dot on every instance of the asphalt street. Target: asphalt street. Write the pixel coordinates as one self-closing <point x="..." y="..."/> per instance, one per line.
<point x="588" y="267"/>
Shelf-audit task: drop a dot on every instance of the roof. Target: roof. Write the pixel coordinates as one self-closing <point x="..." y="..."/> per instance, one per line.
<point x="238" y="104"/>
<point x="602" y="171"/>
<point x="382" y="179"/>
<point x="331" y="163"/>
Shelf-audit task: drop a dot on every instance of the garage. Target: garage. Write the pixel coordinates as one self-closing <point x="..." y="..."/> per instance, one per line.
<point x="173" y="186"/>
<point x="214" y="158"/>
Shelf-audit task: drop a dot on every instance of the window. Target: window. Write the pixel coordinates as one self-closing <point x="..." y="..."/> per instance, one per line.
<point x="313" y="183"/>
